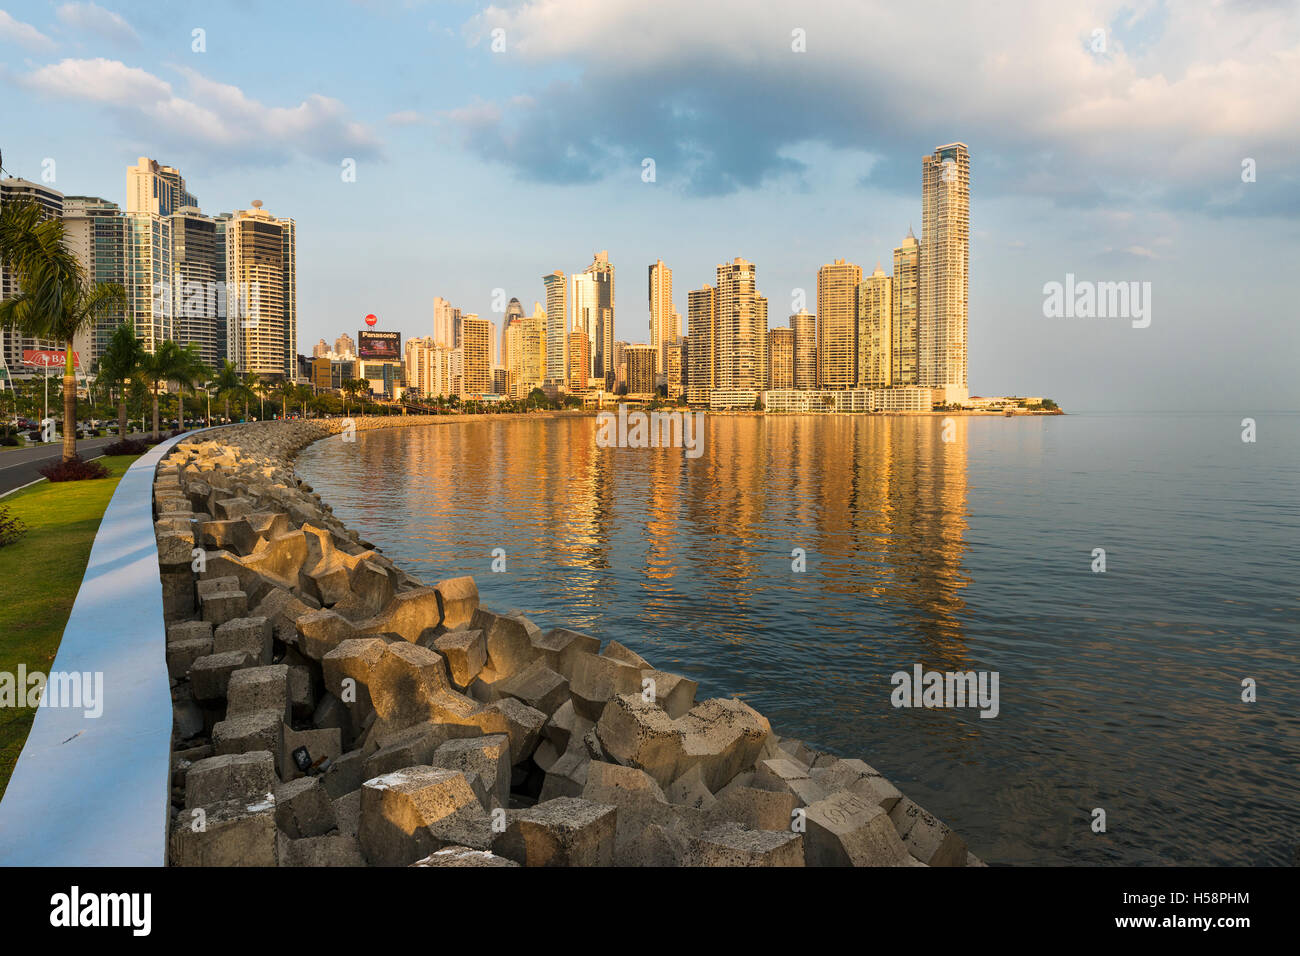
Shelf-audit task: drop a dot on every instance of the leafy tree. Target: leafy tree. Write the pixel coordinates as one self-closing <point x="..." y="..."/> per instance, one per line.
<point x="287" y="392"/>
<point x="187" y="371"/>
<point x="228" y="385"/>
<point x="119" y="365"/>
<point x="158" y="368"/>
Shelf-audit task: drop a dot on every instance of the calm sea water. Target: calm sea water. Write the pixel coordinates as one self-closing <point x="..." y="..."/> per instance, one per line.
<point x="1119" y="690"/>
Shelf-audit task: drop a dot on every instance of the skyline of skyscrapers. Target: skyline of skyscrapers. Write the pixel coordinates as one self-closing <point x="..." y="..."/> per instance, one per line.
<point x="908" y="328"/>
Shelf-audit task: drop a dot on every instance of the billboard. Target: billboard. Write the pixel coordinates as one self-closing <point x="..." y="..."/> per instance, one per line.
<point x="43" y="358"/>
<point x="379" y="346"/>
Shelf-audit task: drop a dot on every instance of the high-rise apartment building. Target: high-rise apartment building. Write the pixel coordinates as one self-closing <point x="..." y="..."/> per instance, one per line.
<point x="346" y="348"/>
<point x="675" y="367"/>
<point x="156" y="189"/>
<point x="262" y="292"/>
<point x="602" y="332"/>
<point x="476" y="350"/>
<point x="514" y="314"/>
<point x="945" y="267"/>
<point x="583" y="317"/>
<point x="640" y="361"/>
<point x="557" y="328"/>
<point x="95" y="230"/>
<point x="427" y="365"/>
<point x="875" y="324"/>
<point x="665" y="323"/>
<point x="803" y="325"/>
<point x="12" y="344"/>
<point x="579" y="360"/>
<point x="740" y="328"/>
<point x="149" y="278"/>
<point x="837" y="322"/>
<point x="906" y="282"/>
<point x="533" y="345"/>
<point x="198" y="283"/>
<point x="444" y="325"/>
<point x="702" y="320"/>
<point x="780" y="358"/>
<point x="620" y="364"/>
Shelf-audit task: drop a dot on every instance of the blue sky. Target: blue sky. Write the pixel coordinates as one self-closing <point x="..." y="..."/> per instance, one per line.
<point x="479" y="170"/>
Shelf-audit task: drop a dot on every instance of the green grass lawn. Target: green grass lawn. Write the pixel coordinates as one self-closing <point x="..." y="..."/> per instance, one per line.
<point x="39" y="577"/>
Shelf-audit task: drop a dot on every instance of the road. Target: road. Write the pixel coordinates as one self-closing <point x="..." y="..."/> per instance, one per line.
<point x="19" y="466"/>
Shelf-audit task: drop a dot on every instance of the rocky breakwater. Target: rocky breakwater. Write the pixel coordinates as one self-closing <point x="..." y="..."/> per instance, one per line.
<point x="330" y="709"/>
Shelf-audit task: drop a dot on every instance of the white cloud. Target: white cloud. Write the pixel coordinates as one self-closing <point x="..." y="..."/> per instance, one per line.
<point x="1175" y="101"/>
<point x="24" y="34"/>
<point x="93" y="18"/>
<point x="210" y="116"/>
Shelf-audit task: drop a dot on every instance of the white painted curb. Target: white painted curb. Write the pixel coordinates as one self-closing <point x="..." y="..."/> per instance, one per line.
<point x="96" y="791"/>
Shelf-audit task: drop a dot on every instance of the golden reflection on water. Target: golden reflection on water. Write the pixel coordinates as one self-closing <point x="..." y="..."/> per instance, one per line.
<point x="879" y="505"/>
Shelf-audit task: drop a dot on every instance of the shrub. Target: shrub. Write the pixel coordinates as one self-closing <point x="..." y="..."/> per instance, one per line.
<point x="75" y="469"/>
<point x="7" y="439"/>
<point x="11" y="527"/>
<point x="129" y="446"/>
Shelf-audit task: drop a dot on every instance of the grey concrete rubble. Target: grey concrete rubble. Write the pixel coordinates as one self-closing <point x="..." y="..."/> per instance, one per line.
<point x="332" y="710"/>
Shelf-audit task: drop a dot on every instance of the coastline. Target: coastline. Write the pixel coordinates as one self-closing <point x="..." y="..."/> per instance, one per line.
<point x="523" y="731"/>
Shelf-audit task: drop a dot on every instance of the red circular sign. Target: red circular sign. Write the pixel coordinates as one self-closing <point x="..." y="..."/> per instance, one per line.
<point x="371" y="319"/>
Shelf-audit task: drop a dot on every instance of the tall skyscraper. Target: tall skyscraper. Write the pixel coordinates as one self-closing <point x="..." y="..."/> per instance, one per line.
<point x="837" y="322"/>
<point x="149" y="277"/>
<point x="804" y="326"/>
<point x="665" y="323"/>
<point x="907" y="277"/>
<point x="583" y="317"/>
<point x="875" y="323"/>
<point x="702" y="320"/>
<point x="557" y="328"/>
<point x="261" y="272"/>
<point x="198" y="283"/>
<point x="945" y="267"/>
<point x="95" y="230"/>
<point x="602" y="347"/>
<point x="476" y="336"/>
<point x="780" y="358"/>
<point x="741" y="328"/>
<point x="345" y="348"/>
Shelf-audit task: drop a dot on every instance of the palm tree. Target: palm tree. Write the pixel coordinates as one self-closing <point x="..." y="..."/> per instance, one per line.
<point x="118" y="365"/>
<point x="305" y="394"/>
<point x="227" y="384"/>
<point x="57" y="301"/>
<point x="159" y="367"/>
<point x="349" y="392"/>
<point x="252" y="382"/>
<point x="187" y="370"/>
<point x="287" y="391"/>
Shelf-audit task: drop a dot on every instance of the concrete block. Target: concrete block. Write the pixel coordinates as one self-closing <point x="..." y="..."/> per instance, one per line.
<point x="567" y="831"/>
